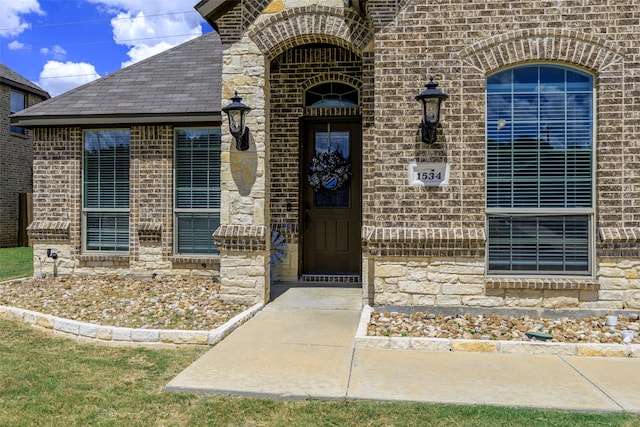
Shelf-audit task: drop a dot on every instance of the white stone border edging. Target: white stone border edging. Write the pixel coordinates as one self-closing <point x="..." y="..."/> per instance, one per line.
<point x="127" y="336"/>
<point x="489" y="346"/>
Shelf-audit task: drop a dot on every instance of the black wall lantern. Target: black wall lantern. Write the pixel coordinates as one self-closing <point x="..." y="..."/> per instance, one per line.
<point x="431" y="99"/>
<point x="237" y="111"/>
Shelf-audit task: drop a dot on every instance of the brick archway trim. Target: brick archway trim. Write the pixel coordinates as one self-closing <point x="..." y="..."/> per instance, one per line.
<point x="311" y="24"/>
<point x="331" y="77"/>
<point x="586" y="50"/>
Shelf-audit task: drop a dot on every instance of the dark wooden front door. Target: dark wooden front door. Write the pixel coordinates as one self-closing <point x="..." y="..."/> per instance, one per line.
<point x="331" y="211"/>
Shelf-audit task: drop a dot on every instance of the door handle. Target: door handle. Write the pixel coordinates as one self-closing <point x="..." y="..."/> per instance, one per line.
<point x="306" y="219"/>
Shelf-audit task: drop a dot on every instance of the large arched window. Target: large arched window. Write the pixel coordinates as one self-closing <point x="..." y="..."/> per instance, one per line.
<point x="539" y="201"/>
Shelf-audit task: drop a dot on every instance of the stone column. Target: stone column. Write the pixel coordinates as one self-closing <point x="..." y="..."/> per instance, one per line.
<point x="243" y="236"/>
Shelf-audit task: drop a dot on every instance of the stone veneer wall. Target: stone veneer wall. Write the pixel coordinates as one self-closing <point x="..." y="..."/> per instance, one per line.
<point x="452" y="281"/>
<point x="57" y="222"/>
<point x="242" y="236"/>
<point x="16" y="171"/>
<point x="251" y="178"/>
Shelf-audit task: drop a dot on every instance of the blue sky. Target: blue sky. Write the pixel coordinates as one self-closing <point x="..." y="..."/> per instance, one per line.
<point x="61" y="44"/>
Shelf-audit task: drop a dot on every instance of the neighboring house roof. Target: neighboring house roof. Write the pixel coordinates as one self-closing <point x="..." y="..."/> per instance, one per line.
<point x="180" y="85"/>
<point x="13" y="79"/>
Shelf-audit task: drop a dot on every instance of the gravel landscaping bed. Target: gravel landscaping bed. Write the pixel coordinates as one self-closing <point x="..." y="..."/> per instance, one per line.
<point x="161" y="303"/>
<point x="500" y="327"/>
<point x="194" y="304"/>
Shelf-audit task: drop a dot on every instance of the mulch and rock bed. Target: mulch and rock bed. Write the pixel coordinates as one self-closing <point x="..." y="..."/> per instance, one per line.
<point x="160" y="303"/>
<point x="500" y="327"/>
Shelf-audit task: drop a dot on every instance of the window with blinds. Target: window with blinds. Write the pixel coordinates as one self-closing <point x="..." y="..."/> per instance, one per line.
<point x="539" y="194"/>
<point x="106" y="190"/>
<point x="197" y="189"/>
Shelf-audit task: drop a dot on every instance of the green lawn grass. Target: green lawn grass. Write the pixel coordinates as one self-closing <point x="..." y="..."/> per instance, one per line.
<point x="52" y="381"/>
<point x="16" y="263"/>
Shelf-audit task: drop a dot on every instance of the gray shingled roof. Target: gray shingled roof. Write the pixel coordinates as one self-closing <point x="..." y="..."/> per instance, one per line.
<point x="11" y="78"/>
<point x="180" y="85"/>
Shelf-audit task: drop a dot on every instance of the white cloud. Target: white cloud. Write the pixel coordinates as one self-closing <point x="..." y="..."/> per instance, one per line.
<point x="16" y="45"/>
<point x="150" y="27"/>
<point x="58" y="77"/>
<point x="56" y="51"/>
<point x="11" y="21"/>
<point x="143" y="51"/>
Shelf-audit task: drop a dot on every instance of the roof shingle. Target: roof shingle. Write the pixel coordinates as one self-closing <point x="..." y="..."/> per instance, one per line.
<point x="180" y="84"/>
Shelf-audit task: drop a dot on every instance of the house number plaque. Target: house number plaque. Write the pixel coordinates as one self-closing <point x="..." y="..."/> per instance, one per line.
<point x="428" y="173"/>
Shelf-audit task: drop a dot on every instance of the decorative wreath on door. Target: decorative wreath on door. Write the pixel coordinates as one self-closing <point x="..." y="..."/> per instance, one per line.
<point x="329" y="170"/>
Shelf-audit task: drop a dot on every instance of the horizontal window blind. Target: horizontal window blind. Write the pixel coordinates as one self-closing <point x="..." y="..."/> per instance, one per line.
<point x="106" y="169"/>
<point x="539" y="138"/>
<point x="198" y="168"/>
<point x="195" y="233"/>
<point x="106" y="190"/>
<point x="539" y="244"/>
<point x="197" y="189"/>
<point x="107" y="231"/>
<point x="539" y="157"/>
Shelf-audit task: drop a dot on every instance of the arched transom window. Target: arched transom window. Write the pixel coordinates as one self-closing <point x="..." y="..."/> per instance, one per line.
<point x="539" y="200"/>
<point x="331" y="94"/>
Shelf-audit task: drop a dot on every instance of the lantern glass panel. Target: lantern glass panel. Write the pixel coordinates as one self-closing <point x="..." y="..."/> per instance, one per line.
<point x="235" y="121"/>
<point x="432" y="110"/>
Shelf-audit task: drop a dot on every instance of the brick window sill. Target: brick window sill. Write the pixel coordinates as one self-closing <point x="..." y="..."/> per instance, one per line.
<point x="104" y="257"/>
<point x="556" y="284"/>
<point x="194" y="259"/>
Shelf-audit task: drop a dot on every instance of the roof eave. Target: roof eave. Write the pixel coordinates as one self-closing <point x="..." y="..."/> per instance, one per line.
<point x="212" y="10"/>
<point x="113" y="119"/>
<point x="25" y="88"/>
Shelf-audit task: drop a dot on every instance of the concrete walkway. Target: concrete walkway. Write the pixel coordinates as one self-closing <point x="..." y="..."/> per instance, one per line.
<point x="301" y="345"/>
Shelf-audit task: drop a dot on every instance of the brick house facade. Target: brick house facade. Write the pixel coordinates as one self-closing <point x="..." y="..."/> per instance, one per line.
<point x="548" y="225"/>
<point x="16" y="93"/>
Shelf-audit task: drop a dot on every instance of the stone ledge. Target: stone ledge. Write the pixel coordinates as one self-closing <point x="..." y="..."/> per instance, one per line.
<point x="424" y="242"/>
<point x="240" y="238"/>
<point x="194" y="259"/>
<point x="103" y="257"/>
<point x="149" y="231"/>
<point x="556" y="284"/>
<point x="362" y="340"/>
<point x="49" y="230"/>
<point x="126" y="336"/>
<point x="423" y="235"/>
<point x="619" y="234"/>
<point x="615" y="242"/>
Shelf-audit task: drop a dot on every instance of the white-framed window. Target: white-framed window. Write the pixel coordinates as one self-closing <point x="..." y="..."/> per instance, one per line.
<point x="197" y="190"/>
<point x="105" y="183"/>
<point x="540" y="179"/>
<point x="18" y="102"/>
